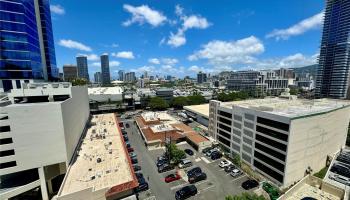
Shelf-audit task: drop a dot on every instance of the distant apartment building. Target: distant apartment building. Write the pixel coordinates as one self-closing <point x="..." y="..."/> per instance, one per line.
<point x="281" y="138"/>
<point x="130" y="77"/>
<point x="333" y="76"/>
<point x="70" y="72"/>
<point x="201" y="77"/>
<point x="40" y="127"/>
<point x="165" y="93"/>
<point x="97" y="77"/>
<point x="258" y="83"/>
<point x="27" y="51"/>
<point x="105" y="74"/>
<point x="121" y="75"/>
<point x="82" y="66"/>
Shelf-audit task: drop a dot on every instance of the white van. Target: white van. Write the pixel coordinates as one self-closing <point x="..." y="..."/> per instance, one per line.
<point x="185" y="163"/>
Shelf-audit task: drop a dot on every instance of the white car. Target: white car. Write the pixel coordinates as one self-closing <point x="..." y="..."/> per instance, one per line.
<point x="224" y="163"/>
<point x="236" y="172"/>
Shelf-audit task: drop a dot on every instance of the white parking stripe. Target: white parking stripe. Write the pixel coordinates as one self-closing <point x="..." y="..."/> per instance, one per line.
<point x="205" y="160"/>
<point x="178" y="186"/>
<point x="238" y="178"/>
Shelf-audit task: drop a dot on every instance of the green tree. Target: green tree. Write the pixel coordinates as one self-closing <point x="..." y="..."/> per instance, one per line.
<point x="196" y="99"/>
<point x="79" y="81"/>
<point x="293" y="91"/>
<point x="236" y="159"/>
<point x="157" y="103"/>
<point x="175" y="154"/>
<point x="222" y="96"/>
<point x="245" y="196"/>
<point x="179" y="102"/>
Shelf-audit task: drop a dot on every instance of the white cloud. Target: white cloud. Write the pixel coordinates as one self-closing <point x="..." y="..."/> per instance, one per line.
<point x="114" y="63"/>
<point x="143" y="14"/>
<point x="57" y="9"/>
<point x="124" y="54"/>
<point x="169" y="61"/>
<point x="155" y="61"/>
<point x="146" y="68"/>
<point x="307" y="24"/>
<point x="179" y="10"/>
<point x="168" y="68"/>
<point x="226" y="53"/>
<point x="74" y="45"/>
<point x="96" y="64"/>
<point x="92" y="57"/>
<point x="295" y="60"/>
<point x="176" y="40"/>
<point x="195" y="21"/>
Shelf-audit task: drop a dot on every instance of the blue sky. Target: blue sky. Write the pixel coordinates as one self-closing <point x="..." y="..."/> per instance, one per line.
<point x="182" y="37"/>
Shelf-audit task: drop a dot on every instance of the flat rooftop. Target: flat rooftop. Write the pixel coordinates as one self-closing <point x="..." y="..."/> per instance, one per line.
<point x="290" y="108"/>
<point x="102" y="161"/>
<point x="105" y="90"/>
<point x="307" y="190"/>
<point x="202" y="109"/>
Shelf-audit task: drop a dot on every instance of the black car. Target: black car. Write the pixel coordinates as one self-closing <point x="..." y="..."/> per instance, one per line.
<point x="127" y="125"/>
<point x="186" y="192"/>
<point x="193" y="171"/>
<point x="143" y="185"/>
<point x="189" y="152"/>
<point x="165" y="167"/>
<point x="197" y="177"/>
<point x="206" y="150"/>
<point x="124" y="132"/>
<point x="229" y="168"/>
<point x="249" y="184"/>
<point x="162" y="162"/>
<point x="125" y="138"/>
<point x="136" y="168"/>
<point x="134" y="160"/>
<point x="215" y="155"/>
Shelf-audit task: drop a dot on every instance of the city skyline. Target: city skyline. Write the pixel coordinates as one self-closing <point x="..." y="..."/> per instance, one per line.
<point x="182" y="38"/>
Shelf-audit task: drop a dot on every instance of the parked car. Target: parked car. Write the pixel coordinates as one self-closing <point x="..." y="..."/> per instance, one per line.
<point x="125" y="138"/>
<point x="193" y="171"/>
<point x="216" y="155"/>
<point x="189" y="152"/>
<point x="134" y="160"/>
<point x="197" y="177"/>
<point x="211" y="152"/>
<point x="229" y="168"/>
<point x="185" y="163"/>
<point x="165" y="167"/>
<point x="136" y="168"/>
<point x="224" y="163"/>
<point x="186" y="192"/>
<point x="124" y="132"/>
<point x="132" y="155"/>
<point x="172" y="177"/>
<point x="143" y="185"/>
<point x="162" y="162"/>
<point x="204" y="151"/>
<point x="127" y="125"/>
<point x="236" y="172"/>
<point x="130" y="149"/>
<point x="249" y="184"/>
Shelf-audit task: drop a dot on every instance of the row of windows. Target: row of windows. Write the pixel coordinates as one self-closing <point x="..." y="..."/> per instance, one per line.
<point x="11" y="7"/>
<point x="226" y="135"/>
<point x="270" y="151"/>
<point x="21" y="74"/>
<point x="226" y="128"/>
<point x="6" y="141"/>
<point x="270" y="142"/>
<point x="274" y="124"/>
<point x="236" y="147"/>
<point x="237" y="117"/>
<point x="249" y="125"/>
<point x="246" y="158"/>
<point x="237" y="132"/>
<point x="225" y="114"/>
<point x="237" y="140"/>
<point x="268" y="171"/>
<point x="249" y="116"/>
<point x="8" y="164"/>
<point x="247" y="149"/>
<point x="15" y="17"/>
<point x="225" y="121"/>
<point x="224" y="141"/>
<point x="248" y="141"/>
<point x="12" y="36"/>
<point x="269" y="161"/>
<point x="7" y="153"/>
<point x="248" y="133"/>
<point x="237" y="125"/>
<point x="272" y="133"/>
<point x="5" y="128"/>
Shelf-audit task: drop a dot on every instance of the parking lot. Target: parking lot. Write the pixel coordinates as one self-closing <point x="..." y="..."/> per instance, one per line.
<point x="218" y="184"/>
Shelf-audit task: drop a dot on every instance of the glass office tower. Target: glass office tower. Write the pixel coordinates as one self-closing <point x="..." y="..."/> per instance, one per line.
<point x="22" y="37"/>
<point x="333" y="75"/>
<point x="82" y="65"/>
<point x="105" y="75"/>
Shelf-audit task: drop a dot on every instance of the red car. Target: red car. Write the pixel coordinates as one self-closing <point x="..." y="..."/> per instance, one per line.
<point x="130" y="149"/>
<point x="172" y="177"/>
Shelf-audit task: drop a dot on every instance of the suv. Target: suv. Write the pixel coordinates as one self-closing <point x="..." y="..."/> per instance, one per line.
<point x="249" y="184"/>
<point x="165" y="167"/>
<point x="186" y="192"/>
<point x="185" y="163"/>
<point x="210" y="152"/>
<point x="215" y="155"/>
<point x="197" y="177"/>
<point x="193" y="171"/>
<point x="143" y="185"/>
<point x="224" y="163"/>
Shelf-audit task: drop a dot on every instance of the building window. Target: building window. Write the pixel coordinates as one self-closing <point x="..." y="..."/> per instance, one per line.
<point x="270" y="142"/>
<point x="236" y="132"/>
<point x="236" y="147"/>
<point x="8" y="164"/>
<point x="249" y="116"/>
<point x="5" y="129"/>
<point x="225" y="114"/>
<point x="237" y="125"/>
<point x="226" y="135"/>
<point x="269" y="161"/>
<point x="225" y="121"/>
<point x="7" y="153"/>
<point x="249" y="125"/>
<point x="237" y="117"/>
<point x="248" y="133"/>
<point x="268" y="171"/>
<point x="272" y="133"/>
<point x="237" y="140"/>
<point x="224" y="141"/>
<point x="6" y="141"/>
<point x="4" y="117"/>
<point x="274" y="124"/>
<point x="246" y="157"/>
<point x="247" y="149"/>
<point x="18" y="84"/>
<point x="226" y="128"/>
<point x="248" y="141"/>
<point x="270" y="151"/>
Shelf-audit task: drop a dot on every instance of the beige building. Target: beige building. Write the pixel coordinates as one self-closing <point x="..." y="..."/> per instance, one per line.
<point x="281" y="138"/>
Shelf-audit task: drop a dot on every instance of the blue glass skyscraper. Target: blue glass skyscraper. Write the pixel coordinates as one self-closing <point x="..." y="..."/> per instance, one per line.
<point x="26" y="43"/>
<point x="333" y="77"/>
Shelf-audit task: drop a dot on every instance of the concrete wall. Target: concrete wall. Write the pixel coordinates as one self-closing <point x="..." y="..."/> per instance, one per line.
<point x="311" y="139"/>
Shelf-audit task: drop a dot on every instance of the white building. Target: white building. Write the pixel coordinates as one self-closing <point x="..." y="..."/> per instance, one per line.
<point x="281" y="138"/>
<point x="39" y="129"/>
<point x="106" y="94"/>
